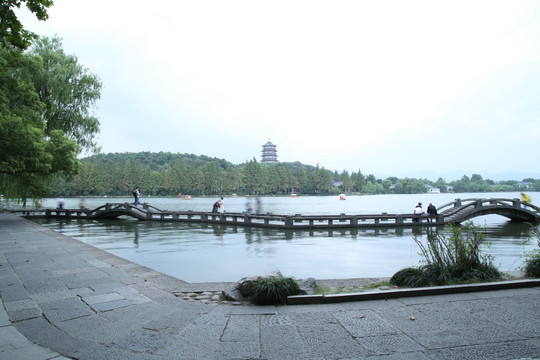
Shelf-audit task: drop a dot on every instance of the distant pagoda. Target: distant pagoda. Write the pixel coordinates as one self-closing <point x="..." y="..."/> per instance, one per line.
<point x="269" y="153"/>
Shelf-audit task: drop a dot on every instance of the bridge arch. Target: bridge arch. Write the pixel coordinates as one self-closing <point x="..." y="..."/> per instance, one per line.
<point x="461" y="210"/>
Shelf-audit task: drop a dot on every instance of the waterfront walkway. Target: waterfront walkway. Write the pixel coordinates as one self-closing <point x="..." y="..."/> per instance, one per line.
<point x="61" y="298"/>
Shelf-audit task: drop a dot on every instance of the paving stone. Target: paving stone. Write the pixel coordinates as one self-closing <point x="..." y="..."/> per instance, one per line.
<point x="49" y="336"/>
<point x="11" y="338"/>
<point x="498" y="351"/>
<point x="24" y="314"/>
<point x="43" y="286"/>
<point x="19" y="305"/>
<point x="388" y="344"/>
<point x="194" y="342"/>
<point x="67" y="309"/>
<point x="281" y="342"/>
<point x="97" y="329"/>
<point x="102" y="298"/>
<point x="13" y="292"/>
<point x="34" y="352"/>
<point x="144" y="340"/>
<point x="364" y="323"/>
<point x="107" y="306"/>
<point x="242" y="328"/>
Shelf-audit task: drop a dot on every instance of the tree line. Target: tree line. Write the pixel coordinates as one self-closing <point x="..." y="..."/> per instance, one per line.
<point x="169" y="174"/>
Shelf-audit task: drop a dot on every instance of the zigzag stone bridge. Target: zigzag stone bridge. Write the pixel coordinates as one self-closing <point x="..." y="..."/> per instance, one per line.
<point x="454" y="212"/>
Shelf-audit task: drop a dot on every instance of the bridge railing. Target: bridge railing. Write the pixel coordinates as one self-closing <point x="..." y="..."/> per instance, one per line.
<point x="296" y="221"/>
<point x="460" y="204"/>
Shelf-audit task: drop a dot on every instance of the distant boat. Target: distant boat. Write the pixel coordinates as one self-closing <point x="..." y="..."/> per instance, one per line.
<point x="185" y="197"/>
<point x="234" y="195"/>
<point x="293" y="195"/>
<point x="342" y="197"/>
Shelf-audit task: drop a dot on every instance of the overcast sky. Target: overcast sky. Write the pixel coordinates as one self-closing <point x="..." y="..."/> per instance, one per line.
<point x="391" y="88"/>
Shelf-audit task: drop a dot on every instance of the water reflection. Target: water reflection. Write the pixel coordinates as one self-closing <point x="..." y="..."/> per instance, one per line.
<point x="227" y="253"/>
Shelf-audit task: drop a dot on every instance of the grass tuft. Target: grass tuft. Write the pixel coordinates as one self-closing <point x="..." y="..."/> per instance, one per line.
<point x="453" y="259"/>
<point x="271" y="290"/>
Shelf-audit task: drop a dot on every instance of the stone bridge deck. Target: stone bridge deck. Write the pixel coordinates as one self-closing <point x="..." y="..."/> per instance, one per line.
<point x="455" y="212"/>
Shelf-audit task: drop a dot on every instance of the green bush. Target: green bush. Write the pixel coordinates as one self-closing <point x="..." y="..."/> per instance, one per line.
<point x="450" y="259"/>
<point x="532" y="267"/>
<point x="532" y="259"/>
<point x="271" y="290"/>
<point x="409" y="277"/>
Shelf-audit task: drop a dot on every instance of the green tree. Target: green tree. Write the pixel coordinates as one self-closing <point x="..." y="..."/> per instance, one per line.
<point x="371" y="188"/>
<point x="12" y="33"/>
<point x="410" y="186"/>
<point x="299" y="180"/>
<point x="252" y="177"/>
<point x="347" y="182"/>
<point x="200" y="181"/>
<point x="232" y="179"/>
<point x="323" y="181"/>
<point x="28" y="158"/>
<point x="69" y="92"/>
<point x="359" y="181"/>
<point x="169" y="179"/>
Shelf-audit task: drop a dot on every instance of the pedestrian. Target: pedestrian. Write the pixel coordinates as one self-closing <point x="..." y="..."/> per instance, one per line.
<point x="60" y="202"/>
<point x="136" y="195"/>
<point x="249" y="205"/>
<point x="258" y="205"/>
<point x="221" y="205"/>
<point x="215" y="207"/>
<point x="417" y="212"/>
<point x="525" y="198"/>
<point x="432" y="211"/>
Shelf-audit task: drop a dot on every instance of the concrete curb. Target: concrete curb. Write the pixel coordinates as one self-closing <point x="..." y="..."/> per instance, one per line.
<point x="400" y="293"/>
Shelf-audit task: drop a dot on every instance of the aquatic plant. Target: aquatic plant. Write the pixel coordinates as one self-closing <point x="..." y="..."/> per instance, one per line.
<point x="451" y="259"/>
<point x="532" y="258"/>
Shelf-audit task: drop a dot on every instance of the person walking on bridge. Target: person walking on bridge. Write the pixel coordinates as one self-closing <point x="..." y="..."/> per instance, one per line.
<point x="136" y="195"/>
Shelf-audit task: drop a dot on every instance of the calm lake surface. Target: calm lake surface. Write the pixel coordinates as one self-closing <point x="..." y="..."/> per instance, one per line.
<point x="206" y="253"/>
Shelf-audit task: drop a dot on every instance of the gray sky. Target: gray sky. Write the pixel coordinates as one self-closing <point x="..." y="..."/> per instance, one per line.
<point x="391" y="88"/>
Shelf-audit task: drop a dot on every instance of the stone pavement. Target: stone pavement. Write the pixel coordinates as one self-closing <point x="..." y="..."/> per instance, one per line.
<point x="64" y="299"/>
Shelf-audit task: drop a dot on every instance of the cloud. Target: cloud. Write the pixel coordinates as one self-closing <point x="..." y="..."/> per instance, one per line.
<point x="386" y="87"/>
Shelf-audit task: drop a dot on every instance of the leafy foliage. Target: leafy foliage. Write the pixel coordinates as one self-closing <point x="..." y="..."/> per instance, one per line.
<point x="270" y="290"/>
<point x="450" y="259"/>
<point x="68" y="91"/>
<point x="409" y="277"/>
<point x="12" y="33"/>
<point x="532" y="258"/>
<point x="32" y="150"/>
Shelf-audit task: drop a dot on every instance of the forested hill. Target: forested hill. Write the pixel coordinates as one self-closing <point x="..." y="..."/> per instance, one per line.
<point x="168" y="174"/>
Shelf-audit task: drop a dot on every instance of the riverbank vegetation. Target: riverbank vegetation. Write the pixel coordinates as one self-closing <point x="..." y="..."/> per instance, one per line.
<point x="450" y="259"/>
<point x="532" y="258"/>
<point x="167" y="174"/>
<point x="271" y="290"/>
<point x="47" y="101"/>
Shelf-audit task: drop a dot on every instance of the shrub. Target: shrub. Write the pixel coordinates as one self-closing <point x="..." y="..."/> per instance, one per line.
<point x="271" y="290"/>
<point x="532" y="267"/>
<point x="409" y="277"/>
<point x="450" y="260"/>
<point x="532" y="258"/>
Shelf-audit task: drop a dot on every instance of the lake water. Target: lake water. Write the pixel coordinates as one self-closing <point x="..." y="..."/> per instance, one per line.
<point x="207" y="253"/>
